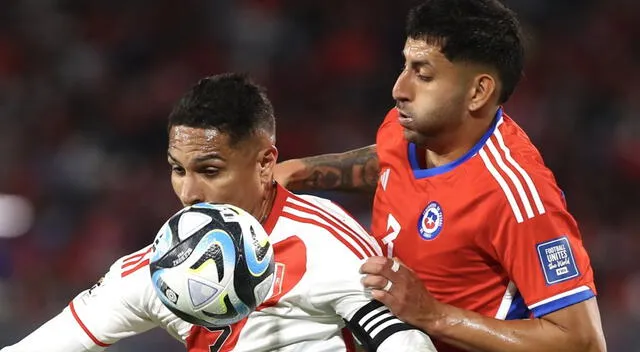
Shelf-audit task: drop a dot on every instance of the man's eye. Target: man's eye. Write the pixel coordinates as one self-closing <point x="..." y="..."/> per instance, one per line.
<point x="177" y="170"/>
<point x="210" y="172"/>
<point x="425" y="78"/>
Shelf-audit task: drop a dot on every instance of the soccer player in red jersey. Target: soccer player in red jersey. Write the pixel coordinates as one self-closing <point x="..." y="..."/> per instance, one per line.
<point x="491" y="258"/>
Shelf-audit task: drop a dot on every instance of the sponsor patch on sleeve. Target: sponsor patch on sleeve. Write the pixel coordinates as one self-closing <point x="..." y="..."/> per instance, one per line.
<point x="557" y="261"/>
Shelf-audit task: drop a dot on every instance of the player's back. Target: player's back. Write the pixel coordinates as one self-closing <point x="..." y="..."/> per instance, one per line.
<point x="477" y="231"/>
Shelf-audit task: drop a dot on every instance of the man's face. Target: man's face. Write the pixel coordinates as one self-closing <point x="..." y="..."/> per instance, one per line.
<point x="206" y="168"/>
<point x="431" y="92"/>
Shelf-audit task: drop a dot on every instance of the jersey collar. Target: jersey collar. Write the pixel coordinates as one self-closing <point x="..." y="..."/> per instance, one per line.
<point x="422" y="173"/>
<point x="276" y="210"/>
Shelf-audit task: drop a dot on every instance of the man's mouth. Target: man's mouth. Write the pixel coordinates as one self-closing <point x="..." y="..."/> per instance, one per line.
<point x="404" y="119"/>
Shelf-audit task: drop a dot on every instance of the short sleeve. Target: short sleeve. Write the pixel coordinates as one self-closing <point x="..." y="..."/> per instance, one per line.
<point x="542" y="249"/>
<point x="123" y="303"/>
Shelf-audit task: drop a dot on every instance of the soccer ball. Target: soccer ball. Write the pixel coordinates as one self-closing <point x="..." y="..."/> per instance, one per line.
<point x="212" y="264"/>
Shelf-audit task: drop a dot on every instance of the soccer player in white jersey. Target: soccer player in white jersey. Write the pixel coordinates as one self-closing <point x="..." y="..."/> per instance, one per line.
<point x="221" y="149"/>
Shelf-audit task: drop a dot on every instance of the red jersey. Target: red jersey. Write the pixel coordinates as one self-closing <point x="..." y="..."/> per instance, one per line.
<point x="489" y="232"/>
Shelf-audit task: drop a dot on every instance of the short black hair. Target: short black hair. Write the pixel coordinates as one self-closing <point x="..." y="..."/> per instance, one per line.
<point x="230" y="103"/>
<point x="478" y="31"/>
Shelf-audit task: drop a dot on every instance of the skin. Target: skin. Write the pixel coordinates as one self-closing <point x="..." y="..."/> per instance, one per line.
<point x="356" y="170"/>
<point x="445" y="107"/>
<point x="206" y="167"/>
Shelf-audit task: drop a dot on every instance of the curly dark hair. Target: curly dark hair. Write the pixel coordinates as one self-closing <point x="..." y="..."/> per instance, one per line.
<point x="228" y="102"/>
<point x="479" y="31"/>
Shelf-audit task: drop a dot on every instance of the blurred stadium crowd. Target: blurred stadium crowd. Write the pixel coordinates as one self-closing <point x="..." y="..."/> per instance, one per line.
<point x="86" y="86"/>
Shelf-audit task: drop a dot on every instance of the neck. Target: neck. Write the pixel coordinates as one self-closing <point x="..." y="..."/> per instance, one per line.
<point x="267" y="203"/>
<point x="451" y="145"/>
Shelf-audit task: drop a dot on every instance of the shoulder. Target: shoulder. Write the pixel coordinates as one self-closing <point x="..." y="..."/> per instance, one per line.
<point x="134" y="262"/>
<point x="391" y="116"/>
<point x="329" y="223"/>
<point x="390" y="141"/>
<point x="390" y="122"/>
<point x="126" y="288"/>
<point x="127" y="280"/>
<point x="512" y="175"/>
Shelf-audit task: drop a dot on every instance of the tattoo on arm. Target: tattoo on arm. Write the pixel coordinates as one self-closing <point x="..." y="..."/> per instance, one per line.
<point x="355" y="170"/>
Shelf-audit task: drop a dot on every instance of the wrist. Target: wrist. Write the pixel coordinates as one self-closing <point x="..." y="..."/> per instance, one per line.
<point x="438" y="320"/>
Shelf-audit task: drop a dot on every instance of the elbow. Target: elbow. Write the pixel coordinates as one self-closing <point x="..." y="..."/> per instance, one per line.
<point x="596" y="345"/>
<point x="589" y="343"/>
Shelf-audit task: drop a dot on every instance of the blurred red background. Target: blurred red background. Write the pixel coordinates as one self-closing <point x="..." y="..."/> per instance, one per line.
<point x="86" y="87"/>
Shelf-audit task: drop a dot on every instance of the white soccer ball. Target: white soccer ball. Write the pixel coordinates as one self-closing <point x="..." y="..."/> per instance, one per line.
<point x="212" y="264"/>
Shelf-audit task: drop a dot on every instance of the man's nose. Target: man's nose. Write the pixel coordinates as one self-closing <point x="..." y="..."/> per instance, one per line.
<point x="402" y="88"/>
<point x="191" y="192"/>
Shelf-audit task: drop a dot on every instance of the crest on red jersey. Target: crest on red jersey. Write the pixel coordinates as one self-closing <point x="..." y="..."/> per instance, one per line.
<point x="431" y="221"/>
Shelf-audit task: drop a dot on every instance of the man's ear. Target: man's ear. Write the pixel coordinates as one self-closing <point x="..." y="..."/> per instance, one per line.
<point x="483" y="89"/>
<point x="267" y="158"/>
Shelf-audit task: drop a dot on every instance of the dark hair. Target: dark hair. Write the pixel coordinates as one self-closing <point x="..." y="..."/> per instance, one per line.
<point x="228" y="102"/>
<point x="478" y="31"/>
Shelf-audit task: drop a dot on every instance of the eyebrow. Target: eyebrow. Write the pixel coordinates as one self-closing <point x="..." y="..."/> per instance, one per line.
<point x="199" y="159"/>
<point x="417" y="63"/>
<point x="421" y="63"/>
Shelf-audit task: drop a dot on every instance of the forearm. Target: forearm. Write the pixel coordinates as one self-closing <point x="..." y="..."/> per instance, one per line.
<point x="474" y="332"/>
<point x="355" y="170"/>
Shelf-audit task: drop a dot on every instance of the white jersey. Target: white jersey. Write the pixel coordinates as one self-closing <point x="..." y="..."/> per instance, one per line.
<point x="316" y="296"/>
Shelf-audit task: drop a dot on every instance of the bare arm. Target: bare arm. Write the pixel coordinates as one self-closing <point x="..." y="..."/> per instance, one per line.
<point x="355" y="170"/>
<point x="574" y="328"/>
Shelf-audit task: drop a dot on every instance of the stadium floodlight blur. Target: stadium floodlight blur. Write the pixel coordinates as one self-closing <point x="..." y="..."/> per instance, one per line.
<point x="16" y="215"/>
